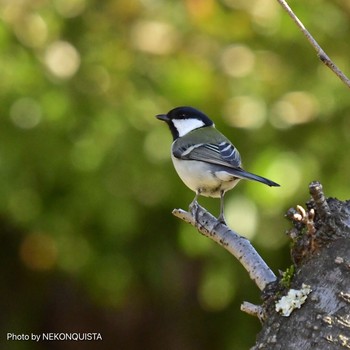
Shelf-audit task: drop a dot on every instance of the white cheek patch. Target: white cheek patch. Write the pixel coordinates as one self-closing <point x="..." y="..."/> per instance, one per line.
<point x="184" y="126"/>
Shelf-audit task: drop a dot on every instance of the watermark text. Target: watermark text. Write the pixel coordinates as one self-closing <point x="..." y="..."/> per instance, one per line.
<point x="36" y="337"/>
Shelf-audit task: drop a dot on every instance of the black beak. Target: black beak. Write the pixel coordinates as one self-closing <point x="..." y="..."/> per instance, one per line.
<point x="163" y="117"/>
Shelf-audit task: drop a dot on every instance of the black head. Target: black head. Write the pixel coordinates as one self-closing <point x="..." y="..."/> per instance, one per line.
<point x="182" y="120"/>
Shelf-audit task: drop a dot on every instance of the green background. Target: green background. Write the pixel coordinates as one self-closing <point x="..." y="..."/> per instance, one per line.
<point x="88" y="242"/>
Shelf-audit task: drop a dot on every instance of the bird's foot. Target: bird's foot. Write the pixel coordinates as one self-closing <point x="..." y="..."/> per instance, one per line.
<point x="193" y="208"/>
<point x="221" y="219"/>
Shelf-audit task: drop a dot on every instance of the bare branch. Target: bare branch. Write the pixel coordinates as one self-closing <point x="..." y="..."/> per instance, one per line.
<point x="320" y="53"/>
<point x="253" y="310"/>
<point x="237" y="245"/>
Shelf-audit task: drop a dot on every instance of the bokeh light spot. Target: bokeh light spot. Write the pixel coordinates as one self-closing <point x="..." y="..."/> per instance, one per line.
<point x="245" y="112"/>
<point x="200" y="9"/>
<point x="38" y="251"/>
<point x="154" y="37"/>
<point x="31" y="30"/>
<point x="294" y="108"/>
<point x="266" y="15"/>
<point x="216" y="289"/>
<point x="288" y="168"/>
<point x="70" y="8"/>
<point x="62" y="59"/>
<point x="242" y="214"/>
<point x="25" y="113"/>
<point x="237" y="61"/>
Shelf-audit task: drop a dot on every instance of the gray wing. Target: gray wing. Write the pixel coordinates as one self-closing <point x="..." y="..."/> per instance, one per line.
<point x="223" y="153"/>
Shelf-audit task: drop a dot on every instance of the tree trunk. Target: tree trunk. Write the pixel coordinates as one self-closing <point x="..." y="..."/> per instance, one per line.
<point x="321" y="254"/>
<point x="314" y="294"/>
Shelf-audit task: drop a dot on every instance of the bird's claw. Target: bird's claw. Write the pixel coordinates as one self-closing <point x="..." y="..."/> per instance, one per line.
<point x="193" y="208"/>
<point x="220" y="221"/>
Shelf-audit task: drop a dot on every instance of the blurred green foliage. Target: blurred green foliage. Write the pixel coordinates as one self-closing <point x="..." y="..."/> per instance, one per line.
<point x="87" y="186"/>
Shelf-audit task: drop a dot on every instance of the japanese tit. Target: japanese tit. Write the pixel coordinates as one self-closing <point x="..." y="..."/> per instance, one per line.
<point x="206" y="161"/>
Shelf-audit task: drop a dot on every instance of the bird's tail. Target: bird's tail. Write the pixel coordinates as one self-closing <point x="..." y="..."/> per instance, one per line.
<point x="249" y="176"/>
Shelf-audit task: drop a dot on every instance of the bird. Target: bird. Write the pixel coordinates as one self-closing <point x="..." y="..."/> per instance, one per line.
<point x="205" y="160"/>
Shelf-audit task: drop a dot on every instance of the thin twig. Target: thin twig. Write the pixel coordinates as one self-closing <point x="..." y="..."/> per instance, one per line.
<point x="253" y="310"/>
<point x="320" y="53"/>
<point x="237" y="245"/>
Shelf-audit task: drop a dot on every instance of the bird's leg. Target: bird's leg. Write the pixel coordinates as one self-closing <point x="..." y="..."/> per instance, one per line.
<point x="221" y="217"/>
<point x="194" y="205"/>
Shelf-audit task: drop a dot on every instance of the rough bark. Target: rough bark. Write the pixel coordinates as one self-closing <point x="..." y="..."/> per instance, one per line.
<point x="320" y="259"/>
<point x="321" y="256"/>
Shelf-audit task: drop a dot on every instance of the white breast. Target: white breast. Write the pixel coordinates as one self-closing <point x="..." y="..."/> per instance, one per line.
<point x="200" y="176"/>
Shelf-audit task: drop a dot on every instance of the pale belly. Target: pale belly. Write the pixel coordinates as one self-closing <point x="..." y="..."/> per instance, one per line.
<point x="199" y="176"/>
